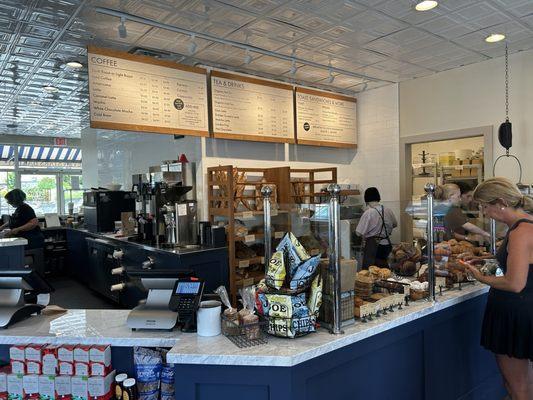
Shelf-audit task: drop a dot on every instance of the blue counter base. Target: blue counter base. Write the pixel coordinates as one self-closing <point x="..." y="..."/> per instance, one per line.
<point x="437" y="357"/>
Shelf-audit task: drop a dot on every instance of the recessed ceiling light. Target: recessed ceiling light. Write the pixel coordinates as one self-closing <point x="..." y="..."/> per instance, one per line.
<point x="426" y="5"/>
<point x="50" y="89"/>
<point x="75" y="64"/>
<point x="495" y="37"/>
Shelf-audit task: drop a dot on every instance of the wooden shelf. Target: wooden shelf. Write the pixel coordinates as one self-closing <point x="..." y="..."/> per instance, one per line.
<point x="246" y="262"/>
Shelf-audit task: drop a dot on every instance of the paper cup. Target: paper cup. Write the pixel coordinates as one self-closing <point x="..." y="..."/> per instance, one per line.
<point x="208" y="317"/>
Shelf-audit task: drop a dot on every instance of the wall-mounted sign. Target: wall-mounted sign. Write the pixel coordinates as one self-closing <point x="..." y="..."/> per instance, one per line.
<point x="139" y="93"/>
<point x="325" y="119"/>
<point x="247" y="108"/>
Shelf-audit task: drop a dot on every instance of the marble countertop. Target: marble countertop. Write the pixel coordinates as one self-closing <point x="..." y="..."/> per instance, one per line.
<point x="109" y="327"/>
<point x="16" y="241"/>
<point x="87" y="327"/>
<point x="192" y="349"/>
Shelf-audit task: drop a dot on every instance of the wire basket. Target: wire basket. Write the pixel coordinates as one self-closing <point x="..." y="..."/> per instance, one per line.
<point x="247" y="335"/>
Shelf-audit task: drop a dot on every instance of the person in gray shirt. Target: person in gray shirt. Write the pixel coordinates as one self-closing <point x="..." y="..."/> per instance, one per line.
<point x="376" y="226"/>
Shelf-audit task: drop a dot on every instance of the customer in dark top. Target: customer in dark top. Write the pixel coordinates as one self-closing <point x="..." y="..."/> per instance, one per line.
<point x="508" y="322"/>
<point x="376" y="226"/>
<point x="455" y="222"/>
<point x="23" y="222"/>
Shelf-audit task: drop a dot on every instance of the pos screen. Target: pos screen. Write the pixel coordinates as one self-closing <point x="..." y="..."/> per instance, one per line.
<point x="188" y="288"/>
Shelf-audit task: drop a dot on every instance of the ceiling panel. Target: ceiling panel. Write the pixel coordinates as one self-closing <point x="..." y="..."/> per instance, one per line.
<point x="369" y="43"/>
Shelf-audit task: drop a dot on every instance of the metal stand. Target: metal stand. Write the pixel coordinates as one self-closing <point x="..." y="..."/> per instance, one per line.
<point x="13" y="308"/>
<point x="493" y="236"/>
<point x="335" y="255"/>
<point x="430" y="190"/>
<point x="154" y="314"/>
<point x="266" y="191"/>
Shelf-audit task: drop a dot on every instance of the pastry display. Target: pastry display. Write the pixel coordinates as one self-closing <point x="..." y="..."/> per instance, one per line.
<point x="404" y="258"/>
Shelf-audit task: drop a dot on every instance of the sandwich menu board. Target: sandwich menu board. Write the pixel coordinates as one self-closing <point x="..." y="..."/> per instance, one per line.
<point x="139" y="93"/>
<point x="247" y="108"/>
<point x="325" y="119"/>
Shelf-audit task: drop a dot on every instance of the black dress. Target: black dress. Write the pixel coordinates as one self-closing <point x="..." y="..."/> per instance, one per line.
<point x="508" y="321"/>
<point x="22" y="215"/>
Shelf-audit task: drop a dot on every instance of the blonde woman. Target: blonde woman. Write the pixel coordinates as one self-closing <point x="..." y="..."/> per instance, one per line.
<point x="456" y="223"/>
<point x="508" y="322"/>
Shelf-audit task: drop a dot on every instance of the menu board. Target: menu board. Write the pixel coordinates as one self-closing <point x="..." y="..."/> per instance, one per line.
<point x="139" y="93"/>
<point x="325" y="119"/>
<point x="247" y="108"/>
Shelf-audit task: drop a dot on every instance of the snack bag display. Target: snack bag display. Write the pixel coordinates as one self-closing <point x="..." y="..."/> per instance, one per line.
<point x="280" y="327"/>
<point x="304" y="272"/>
<point x="276" y="270"/>
<point x="148" y="365"/>
<point x="280" y="306"/>
<point x="290" y="255"/>
<point x="315" y="297"/>
<point x="303" y="325"/>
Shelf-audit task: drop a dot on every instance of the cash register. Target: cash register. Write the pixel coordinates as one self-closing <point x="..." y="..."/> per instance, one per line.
<point x="173" y="298"/>
<point x="18" y="288"/>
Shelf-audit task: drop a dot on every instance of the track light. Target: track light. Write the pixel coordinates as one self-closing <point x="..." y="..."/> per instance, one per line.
<point x="293" y="68"/>
<point x="122" y="32"/>
<point x="248" y="57"/>
<point x="330" y="78"/>
<point x="192" y="45"/>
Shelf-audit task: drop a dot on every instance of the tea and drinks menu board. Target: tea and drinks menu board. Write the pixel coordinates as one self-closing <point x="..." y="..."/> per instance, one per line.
<point x="325" y="119"/>
<point x="247" y="108"/>
<point x="139" y="93"/>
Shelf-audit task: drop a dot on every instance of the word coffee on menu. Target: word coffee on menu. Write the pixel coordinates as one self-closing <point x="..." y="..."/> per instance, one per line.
<point x="126" y="93"/>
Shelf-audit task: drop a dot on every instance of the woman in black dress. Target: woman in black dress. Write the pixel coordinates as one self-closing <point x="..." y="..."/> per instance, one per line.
<point x="508" y="322"/>
<point x="23" y="223"/>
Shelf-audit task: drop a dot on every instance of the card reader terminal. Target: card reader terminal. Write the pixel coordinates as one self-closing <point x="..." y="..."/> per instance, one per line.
<point x="185" y="300"/>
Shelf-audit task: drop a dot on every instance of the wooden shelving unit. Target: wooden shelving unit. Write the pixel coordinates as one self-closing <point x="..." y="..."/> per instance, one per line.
<point x="234" y="194"/>
<point x="306" y="184"/>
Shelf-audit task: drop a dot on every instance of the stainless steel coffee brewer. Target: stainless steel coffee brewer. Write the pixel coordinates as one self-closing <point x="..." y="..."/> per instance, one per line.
<point x="168" y="203"/>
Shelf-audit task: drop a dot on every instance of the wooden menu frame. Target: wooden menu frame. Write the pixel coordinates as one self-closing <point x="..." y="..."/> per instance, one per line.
<point x="152" y="61"/>
<point x="319" y="142"/>
<point x="252" y="138"/>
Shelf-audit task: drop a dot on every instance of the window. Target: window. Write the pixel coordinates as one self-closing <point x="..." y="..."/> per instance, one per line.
<point x="72" y="192"/>
<point x="47" y="174"/>
<point x="41" y="192"/>
<point x="7" y="183"/>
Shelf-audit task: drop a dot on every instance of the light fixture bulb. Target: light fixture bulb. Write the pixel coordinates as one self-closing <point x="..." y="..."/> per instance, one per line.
<point x="248" y="57"/>
<point x="192" y="46"/>
<point x="495" y="37"/>
<point x="74" y="64"/>
<point x="122" y="32"/>
<point x="50" y="89"/>
<point x="426" y="5"/>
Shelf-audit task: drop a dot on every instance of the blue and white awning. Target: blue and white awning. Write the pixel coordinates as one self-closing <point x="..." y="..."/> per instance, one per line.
<point x="41" y="153"/>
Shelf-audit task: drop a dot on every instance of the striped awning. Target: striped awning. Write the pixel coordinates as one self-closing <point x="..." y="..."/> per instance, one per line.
<point x="41" y="153"/>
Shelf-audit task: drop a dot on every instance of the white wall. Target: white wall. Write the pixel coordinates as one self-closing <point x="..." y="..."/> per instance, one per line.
<point x="473" y="96"/>
<point x="374" y="163"/>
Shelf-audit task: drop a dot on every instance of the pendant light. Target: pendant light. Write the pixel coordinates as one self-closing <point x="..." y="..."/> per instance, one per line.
<point x="505" y="133"/>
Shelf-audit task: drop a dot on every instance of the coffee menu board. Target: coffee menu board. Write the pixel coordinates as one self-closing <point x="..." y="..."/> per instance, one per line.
<point x="325" y="119"/>
<point x="247" y="108"/>
<point x="139" y="93"/>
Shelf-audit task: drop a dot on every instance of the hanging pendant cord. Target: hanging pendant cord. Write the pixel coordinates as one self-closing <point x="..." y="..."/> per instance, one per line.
<point x="507" y="87"/>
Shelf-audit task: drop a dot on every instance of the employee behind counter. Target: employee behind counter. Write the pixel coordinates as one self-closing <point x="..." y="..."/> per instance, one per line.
<point x="23" y="222"/>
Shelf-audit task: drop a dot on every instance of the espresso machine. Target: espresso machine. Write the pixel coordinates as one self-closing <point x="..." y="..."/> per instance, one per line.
<point x="168" y="204"/>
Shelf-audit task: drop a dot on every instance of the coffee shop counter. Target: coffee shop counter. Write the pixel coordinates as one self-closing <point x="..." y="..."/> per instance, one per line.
<point x="425" y="351"/>
<point x="89" y="258"/>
